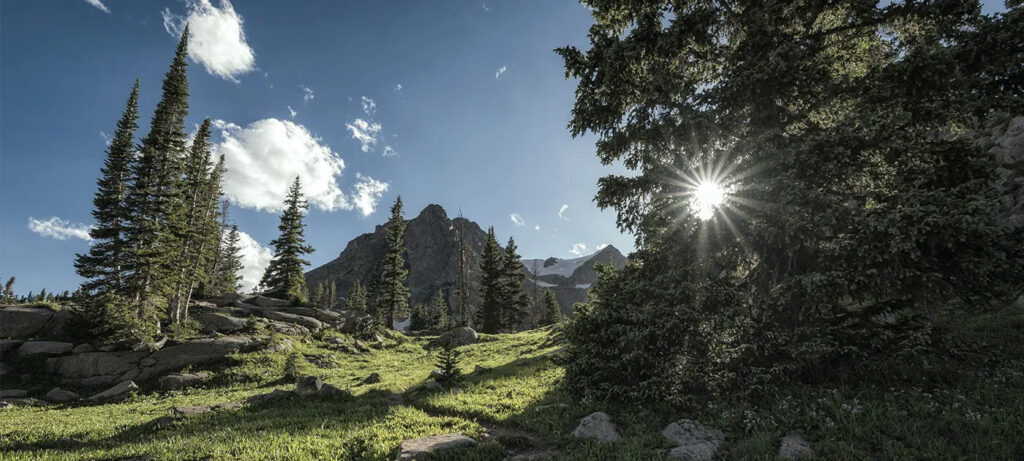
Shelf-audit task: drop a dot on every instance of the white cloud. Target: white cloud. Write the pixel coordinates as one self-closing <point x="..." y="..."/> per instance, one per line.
<point x="107" y="139"/>
<point x="367" y="193"/>
<point x="369" y="106"/>
<point x="501" y="70"/>
<point x="389" y="151"/>
<point x="366" y="133"/>
<point x="578" y="249"/>
<point x="307" y="93"/>
<point x="485" y="7"/>
<point x="398" y="88"/>
<point x="264" y="158"/>
<point x="517" y="219"/>
<point x="292" y="111"/>
<point x="59" y="229"/>
<point x="216" y="39"/>
<point x="561" y="211"/>
<point x="601" y="246"/>
<point x="536" y="227"/>
<point x="100" y="5"/>
<point x="255" y="259"/>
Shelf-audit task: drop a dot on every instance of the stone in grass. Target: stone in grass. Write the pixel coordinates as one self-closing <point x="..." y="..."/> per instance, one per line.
<point x="308" y="385"/>
<point x="272" y="396"/>
<point x="181" y="380"/>
<point x="190" y="410"/>
<point x="119" y="392"/>
<point x="793" y="446"/>
<point x="374" y="378"/>
<point x="12" y="393"/>
<point x="328" y="390"/>
<point x="430" y="447"/>
<point x="598" y="426"/>
<point x="60" y="395"/>
<point x="695" y="441"/>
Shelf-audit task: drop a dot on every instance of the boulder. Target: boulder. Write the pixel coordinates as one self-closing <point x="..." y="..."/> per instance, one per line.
<point x="695" y="441"/>
<point x="60" y="324"/>
<point x="793" y="446"/>
<point x="22" y="402"/>
<point x="284" y="345"/>
<point x="95" y="368"/>
<point x="374" y="378"/>
<point x="326" y="316"/>
<point x="272" y="396"/>
<point x="433" y="386"/>
<point x="460" y="336"/>
<point x="60" y="395"/>
<point x="224" y="300"/>
<point x="328" y="390"/>
<point x="289" y="329"/>
<point x="597" y="426"/>
<point x="308" y="385"/>
<point x="181" y="380"/>
<point x="44" y="349"/>
<point x="119" y="392"/>
<point x="431" y="447"/>
<point x="23" y="321"/>
<point x="4" y="369"/>
<point x="191" y="410"/>
<point x="335" y="340"/>
<point x="81" y="348"/>
<point x="12" y="393"/>
<point x="8" y="345"/>
<point x="264" y="301"/>
<point x="308" y="323"/>
<point x="436" y="374"/>
<point x="211" y="322"/>
<point x="197" y="352"/>
<point x="354" y="322"/>
<point x="203" y="305"/>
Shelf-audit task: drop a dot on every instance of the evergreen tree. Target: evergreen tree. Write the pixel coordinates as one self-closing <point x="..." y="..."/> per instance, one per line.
<point x="356" y="300"/>
<point x="332" y="295"/>
<point x="438" y="313"/>
<point x="448" y="362"/>
<point x="318" y="297"/>
<point x="153" y="201"/>
<point x="463" y="314"/>
<point x="42" y="295"/>
<point x="419" y="319"/>
<point x="514" y="299"/>
<point x="284" y="277"/>
<point x="491" y="316"/>
<point x="103" y="265"/>
<point x="393" y="298"/>
<point x="552" y="311"/>
<point x="9" y="290"/>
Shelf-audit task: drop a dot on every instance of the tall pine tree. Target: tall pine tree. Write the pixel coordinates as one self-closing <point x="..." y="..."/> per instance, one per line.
<point x="104" y="264"/>
<point x="514" y="299"/>
<point x="393" y="297"/>
<point x="284" y="277"/>
<point x="552" y="311"/>
<point x="356" y="300"/>
<point x="226" y="279"/>
<point x="492" y="289"/>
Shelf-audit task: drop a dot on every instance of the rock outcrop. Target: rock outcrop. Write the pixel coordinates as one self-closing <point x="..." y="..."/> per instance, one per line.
<point x="597" y="426"/>
<point x="430" y="447"/>
<point x="695" y="442"/>
<point x="20" y="322"/>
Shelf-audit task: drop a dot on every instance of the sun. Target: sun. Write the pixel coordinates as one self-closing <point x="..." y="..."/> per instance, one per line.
<point x="707" y="197"/>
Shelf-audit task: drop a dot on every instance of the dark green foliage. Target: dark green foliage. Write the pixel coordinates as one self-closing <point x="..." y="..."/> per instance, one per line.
<point x="858" y="206"/>
<point x="8" y="295"/>
<point x="392" y="298"/>
<point x="332" y="296"/>
<point x="492" y="289"/>
<point x="103" y="266"/>
<point x="515" y="301"/>
<point x="419" y="318"/>
<point x="284" y="277"/>
<point x="356" y="299"/>
<point x="552" y="311"/>
<point x="439" y="312"/>
<point x="226" y="277"/>
<point x="319" y="296"/>
<point x="448" y="363"/>
<point x="290" y="368"/>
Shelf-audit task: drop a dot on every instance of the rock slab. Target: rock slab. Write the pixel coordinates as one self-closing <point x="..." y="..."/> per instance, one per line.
<point x="428" y="447"/>
<point x="793" y="446"/>
<point x="60" y="395"/>
<point x="695" y="441"/>
<point x="598" y="426"/>
<point x="119" y="392"/>
<point x="23" y="321"/>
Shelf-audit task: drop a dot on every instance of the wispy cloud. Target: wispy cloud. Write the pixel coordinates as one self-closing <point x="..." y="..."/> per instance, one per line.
<point x="307" y="93"/>
<point x="59" y="229"/>
<point x="517" y="219"/>
<point x="485" y="7"/>
<point x="263" y="159"/>
<point x="600" y="246"/>
<point x="366" y="133"/>
<point x="578" y="249"/>
<point x="255" y="259"/>
<point x="562" y="210"/>
<point x="501" y="70"/>
<point x="292" y="111"/>
<point x="369" y="106"/>
<point x="216" y="39"/>
<point x="398" y="88"/>
<point x="536" y="227"/>
<point x="107" y="139"/>
<point x="99" y="4"/>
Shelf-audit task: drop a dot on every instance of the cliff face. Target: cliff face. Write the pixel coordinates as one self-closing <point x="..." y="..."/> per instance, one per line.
<point x="432" y="258"/>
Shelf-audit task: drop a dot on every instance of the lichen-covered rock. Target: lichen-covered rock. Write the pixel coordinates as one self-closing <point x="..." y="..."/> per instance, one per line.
<point x="82" y="348"/>
<point x="189" y="410"/>
<point x="793" y="446"/>
<point x="197" y="352"/>
<point x="60" y="395"/>
<point x="119" y="392"/>
<point x="272" y="396"/>
<point x="695" y="441"/>
<point x="328" y="390"/>
<point x="430" y="447"/>
<point x="308" y="323"/>
<point x="19" y="322"/>
<point x="211" y="322"/>
<point x="95" y="368"/>
<point x="461" y="336"/>
<point x="290" y="329"/>
<point x="308" y="385"/>
<point x="44" y="348"/>
<point x="178" y="381"/>
<point x="264" y="301"/>
<point x="598" y="426"/>
<point x="374" y="378"/>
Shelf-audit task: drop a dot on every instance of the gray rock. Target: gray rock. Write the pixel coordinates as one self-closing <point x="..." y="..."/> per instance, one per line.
<point x="328" y="390"/>
<point x="374" y="378"/>
<point x="793" y="446"/>
<point x="181" y="380"/>
<point x="60" y="395"/>
<point x="191" y="410"/>
<point x="289" y="329"/>
<point x="197" y="352"/>
<point x="479" y="369"/>
<point x="308" y="385"/>
<point x="436" y="374"/>
<point x="95" y="368"/>
<point x="308" y="323"/>
<point x="433" y="386"/>
<point x="272" y="396"/>
<point x="597" y="426"/>
<point x="4" y="369"/>
<point x="44" y="349"/>
<point x="57" y="327"/>
<point x="211" y="322"/>
<point x="109" y="348"/>
<point x="323" y="315"/>
<point x="22" y="402"/>
<point x="8" y="345"/>
<point x="23" y="321"/>
<point x="12" y="393"/>
<point x="224" y="300"/>
<point x="82" y="348"/>
<point x="227" y="406"/>
<point x="147" y="362"/>
<point x="360" y="346"/>
<point x="695" y="441"/>
<point x="119" y="392"/>
<point x="283" y="345"/>
<point x="429" y="447"/>
<point x="335" y="340"/>
<point x="462" y="336"/>
<point x="264" y="301"/>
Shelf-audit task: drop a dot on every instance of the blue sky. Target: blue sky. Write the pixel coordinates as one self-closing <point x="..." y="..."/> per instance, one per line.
<point x="469" y="109"/>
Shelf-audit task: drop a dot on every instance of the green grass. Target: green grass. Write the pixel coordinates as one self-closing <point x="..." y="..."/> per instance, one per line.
<point x="515" y="405"/>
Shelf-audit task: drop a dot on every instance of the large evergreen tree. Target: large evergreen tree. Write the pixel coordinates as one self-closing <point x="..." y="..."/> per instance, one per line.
<point x="552" y="311"/>
<point x="284" y="277"/>
<point x="514" y="300"/>
<point x="857" y="206"/>
<point x="356" y="299"/>
<point x="439" y="312"/>
<point x="393" y="295"/>
<point x="226" y="279"/>
<point x="490" y="317"/>
<point x="153" y="202"/>
<point x="104" y="264"/>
